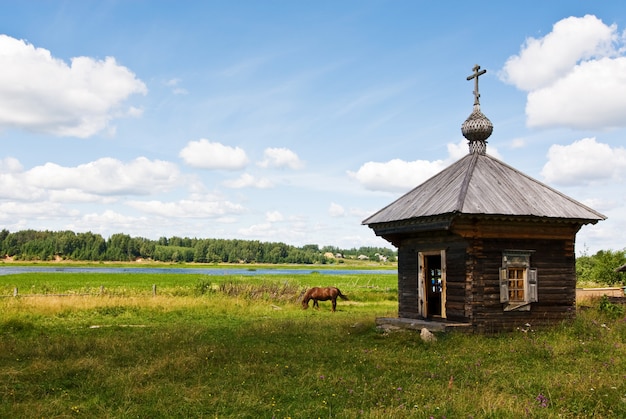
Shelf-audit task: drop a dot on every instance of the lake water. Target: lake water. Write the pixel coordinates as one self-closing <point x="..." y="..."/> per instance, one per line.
<point x="10" y="270"/>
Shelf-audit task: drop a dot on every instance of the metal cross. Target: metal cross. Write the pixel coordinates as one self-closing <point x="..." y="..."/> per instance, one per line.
<point x="475" y="76"/>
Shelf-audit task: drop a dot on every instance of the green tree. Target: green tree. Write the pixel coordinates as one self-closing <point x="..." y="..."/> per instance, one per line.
<point x="600" y="268"/>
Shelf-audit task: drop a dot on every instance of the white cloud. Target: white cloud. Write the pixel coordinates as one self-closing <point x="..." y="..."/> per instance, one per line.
<point x="246" y="180"/>
<point x="336" y="210"/>
<point x="575" y="75"/>
<point x="459" y="150"/>
<point x="205" y="154"/>
<point x="401" y="176"/>
<point x="584" y="161"/>
<point x="592" y="95"/>
<point x="274" y="216"/>
<point x="13" y="212"/>
<point x="78" y="196"/>
<point x="281" y="157"/>
<point x="91" y="182"/>
<point x="107" y="176"/>
<point x="111" y="222"/>
<point x="41" y="93"/>
<point x="176" y="89"/>
<point x="10" y="165"/>
<point x="267" y="231"/>
<point x="518" y="143"/>
<point x="396" y="175"/>
<point x="208" y="207"/>
<point x="543" y="61"/>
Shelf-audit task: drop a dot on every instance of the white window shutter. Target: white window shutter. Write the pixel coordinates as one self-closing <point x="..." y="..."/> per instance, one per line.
<point x="504" y="285"/>
<point x="532" y="285"/>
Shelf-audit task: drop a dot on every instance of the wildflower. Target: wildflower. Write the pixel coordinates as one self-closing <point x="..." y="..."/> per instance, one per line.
<point x="542" y="400"/>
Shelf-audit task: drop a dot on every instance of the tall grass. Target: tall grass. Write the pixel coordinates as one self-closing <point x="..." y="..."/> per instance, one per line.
<point x="237" y="347"/>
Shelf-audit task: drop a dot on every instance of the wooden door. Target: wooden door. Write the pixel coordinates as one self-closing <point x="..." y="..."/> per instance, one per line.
<point x="432" y="284"/>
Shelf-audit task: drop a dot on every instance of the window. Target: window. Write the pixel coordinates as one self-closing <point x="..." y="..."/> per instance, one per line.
<point x="517" y="288"/>
<point x="518" y="281"/>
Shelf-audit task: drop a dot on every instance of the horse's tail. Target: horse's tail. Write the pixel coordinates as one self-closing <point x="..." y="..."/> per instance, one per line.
<point x="340" y="295"/>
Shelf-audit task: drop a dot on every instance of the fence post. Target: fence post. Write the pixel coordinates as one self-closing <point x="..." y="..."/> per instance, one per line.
<point x="15" y="292"/>
<point x="101" y="289"/>
<point x="154" y="290"/>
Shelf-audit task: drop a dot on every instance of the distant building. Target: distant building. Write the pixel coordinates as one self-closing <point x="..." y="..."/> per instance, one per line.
<point x="484" y="244"/>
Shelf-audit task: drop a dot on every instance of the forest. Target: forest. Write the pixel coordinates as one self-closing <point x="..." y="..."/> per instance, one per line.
<point x="32" y="245"/>
<point x="29" y="245"/>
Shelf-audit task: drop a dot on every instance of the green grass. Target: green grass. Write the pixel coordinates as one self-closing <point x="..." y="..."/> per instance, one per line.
<point x="133" y="283"/>
<point x="233" y="347"/>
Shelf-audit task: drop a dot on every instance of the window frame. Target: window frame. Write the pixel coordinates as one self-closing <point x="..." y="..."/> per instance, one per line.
<point x="518" y="260"/>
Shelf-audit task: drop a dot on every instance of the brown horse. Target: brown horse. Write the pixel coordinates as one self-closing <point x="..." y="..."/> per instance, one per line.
<point x="322" y="294"/>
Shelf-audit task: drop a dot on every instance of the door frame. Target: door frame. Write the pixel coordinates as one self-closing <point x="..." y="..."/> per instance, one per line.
<point x="422" y="291"/>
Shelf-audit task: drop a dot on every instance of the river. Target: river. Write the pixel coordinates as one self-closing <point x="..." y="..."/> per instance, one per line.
<point x="11" y="270"/>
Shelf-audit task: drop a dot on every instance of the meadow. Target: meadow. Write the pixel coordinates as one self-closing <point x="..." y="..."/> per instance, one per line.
<point x="242" y="346"/>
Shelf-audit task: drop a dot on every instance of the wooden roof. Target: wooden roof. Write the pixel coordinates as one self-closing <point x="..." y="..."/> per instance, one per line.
<point x="482" y="185"/>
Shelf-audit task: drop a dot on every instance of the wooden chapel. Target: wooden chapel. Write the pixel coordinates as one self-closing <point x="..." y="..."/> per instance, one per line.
<point x="483" y="244"/>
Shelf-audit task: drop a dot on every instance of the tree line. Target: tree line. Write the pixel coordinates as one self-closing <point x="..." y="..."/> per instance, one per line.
<point x="46" y="245"/>
<point x="600" y="268"/>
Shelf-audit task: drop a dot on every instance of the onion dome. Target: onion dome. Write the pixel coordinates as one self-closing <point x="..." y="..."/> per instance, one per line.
<point x="477" y="127"/>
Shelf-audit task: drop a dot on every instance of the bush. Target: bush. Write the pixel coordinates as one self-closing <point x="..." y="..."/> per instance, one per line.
<point x="202" y="287"/>
<point x="611" y="310"/>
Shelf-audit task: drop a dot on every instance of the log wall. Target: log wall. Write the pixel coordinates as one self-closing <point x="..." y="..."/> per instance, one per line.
<point x="556" y="283"/>
<point x="456" y="284"/>
<point x="474" y="251"/>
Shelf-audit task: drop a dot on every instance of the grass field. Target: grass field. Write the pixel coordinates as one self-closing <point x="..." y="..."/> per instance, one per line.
<point x="233" y="346"/>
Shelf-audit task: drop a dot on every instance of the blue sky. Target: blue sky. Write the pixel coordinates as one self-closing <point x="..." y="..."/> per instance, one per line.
<point x="293" y="121"/>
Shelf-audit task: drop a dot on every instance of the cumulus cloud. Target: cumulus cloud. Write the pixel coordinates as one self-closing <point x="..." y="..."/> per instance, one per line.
<point x="574" y="75"/>
<point x="10" y="165"/>
<point x="401" y="176"/>
<point x="592" y="95"/>
<point x="396" y="175"/>
<point x="77" y="196"/>
<point x="88" y="182"/>
<point x="543" y="61"/>
<point x="336" y="210"/>
<point x="246" y="180"/>
<point x="274" y="216"/>
<point x="44" y="94"/>
<point x="107" y="176"/>
<point x="208" y="207"/>
<point x="204" y="154"/>
<point x="281" y="158"/>
<point x="584" y="161"/>
<point x="13" y="211"/>
<point x="267" y="231"/>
